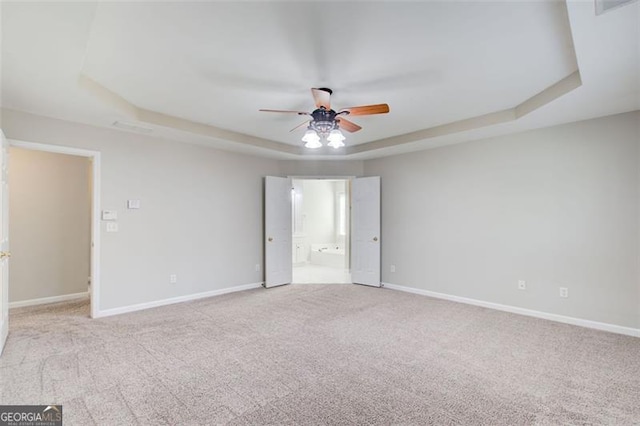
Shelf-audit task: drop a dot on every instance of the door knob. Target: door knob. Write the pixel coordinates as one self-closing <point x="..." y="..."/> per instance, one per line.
<point x="270" y="239"/>
<point x="375" y="238"/>
<point x="5" y="254"/>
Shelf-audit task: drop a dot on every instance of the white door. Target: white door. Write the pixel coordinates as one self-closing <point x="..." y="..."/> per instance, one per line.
<point x="277" y="235"/>
<point x="4" y="243"/>
<point x="365" y="231"/>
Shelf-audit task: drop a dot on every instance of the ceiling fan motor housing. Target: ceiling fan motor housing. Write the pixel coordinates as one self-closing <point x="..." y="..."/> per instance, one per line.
<point x="324" y="120"/>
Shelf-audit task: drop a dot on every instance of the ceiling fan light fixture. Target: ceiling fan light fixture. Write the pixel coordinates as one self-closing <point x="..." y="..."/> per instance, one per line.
<point x="325" y="121"/>
<point x="336" y="139"/>
<point x="311" y="139"/>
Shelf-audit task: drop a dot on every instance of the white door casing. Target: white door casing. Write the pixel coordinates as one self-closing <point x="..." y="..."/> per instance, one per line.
<point x="4" y="242"/>
<point x="94" y="157"/>
<point x="365" y="231"/>
<point x="278" y="232"/>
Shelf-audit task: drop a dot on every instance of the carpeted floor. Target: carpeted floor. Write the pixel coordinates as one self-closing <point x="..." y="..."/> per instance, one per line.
<point x="318" y="354"/>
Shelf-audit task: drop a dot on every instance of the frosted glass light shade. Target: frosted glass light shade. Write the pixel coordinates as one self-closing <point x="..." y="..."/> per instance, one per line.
<point x="311" y="139"/>
<point x="336" y="139"/>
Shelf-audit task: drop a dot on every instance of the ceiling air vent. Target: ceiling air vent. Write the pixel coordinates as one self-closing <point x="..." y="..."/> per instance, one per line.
<point x="132" y="127"/>
<point x="603" y="6"/>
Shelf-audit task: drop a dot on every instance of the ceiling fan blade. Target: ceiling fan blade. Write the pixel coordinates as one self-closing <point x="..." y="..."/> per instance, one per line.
<point x="322" y="98"/>
<point x="367" y="109"/>
<point x="347" y="125"/>
<point x="299" y="125"/>
<point x="285" y="111"/>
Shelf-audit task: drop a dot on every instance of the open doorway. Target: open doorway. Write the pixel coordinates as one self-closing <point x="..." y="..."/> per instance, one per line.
<point x="50" y="227"/>
<point x="320" y="231"/>
<point x="54" y="205"/>
<point x="361" y="239"/>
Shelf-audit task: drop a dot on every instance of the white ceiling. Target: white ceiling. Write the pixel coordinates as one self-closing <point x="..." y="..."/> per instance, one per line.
<point x="217" y="63"/>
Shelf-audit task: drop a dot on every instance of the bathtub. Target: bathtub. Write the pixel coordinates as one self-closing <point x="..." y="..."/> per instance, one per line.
<point x="327" y="255"/>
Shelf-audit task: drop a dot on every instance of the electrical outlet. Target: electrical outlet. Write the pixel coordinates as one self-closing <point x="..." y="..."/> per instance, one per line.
<point x="564" y="292"/>
<point x="522" y="285"/>
<point x="257" y="267"/>
<point x="173" y="278"/>
<point x="392" y="268"/>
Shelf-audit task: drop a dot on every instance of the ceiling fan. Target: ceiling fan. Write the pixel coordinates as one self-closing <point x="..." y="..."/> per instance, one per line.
<point x="326" y="123"/>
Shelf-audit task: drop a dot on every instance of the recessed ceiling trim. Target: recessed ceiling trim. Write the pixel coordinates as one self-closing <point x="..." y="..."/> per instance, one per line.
<point x="538" y="100"/>
<point x="441" y="130"/>
<point x="551" y="93"/>
<point x="152" y="117"/>
<point x="170" y="121"/>
<point x="107" y="96"/>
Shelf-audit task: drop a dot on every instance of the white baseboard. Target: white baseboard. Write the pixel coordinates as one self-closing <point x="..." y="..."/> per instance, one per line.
<point x="47" y="300"/>
<point x="164" y="302"/>
<point x="521" y="311"/>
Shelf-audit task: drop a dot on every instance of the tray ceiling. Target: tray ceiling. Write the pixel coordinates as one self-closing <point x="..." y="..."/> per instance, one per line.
<point x="203" y="69"/>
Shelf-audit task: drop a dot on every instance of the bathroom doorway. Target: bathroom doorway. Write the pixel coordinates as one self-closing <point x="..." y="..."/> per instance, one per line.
<point x="321" y="229"/>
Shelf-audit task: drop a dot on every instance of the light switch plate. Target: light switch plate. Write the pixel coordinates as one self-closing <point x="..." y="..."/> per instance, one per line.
<point x="133" y="204"/>
<point x="112" y="227"/>
<point x="109" y="215"/>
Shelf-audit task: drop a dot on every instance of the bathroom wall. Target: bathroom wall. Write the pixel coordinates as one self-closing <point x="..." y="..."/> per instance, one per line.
<point x="315" y="215"/>
<point x="318" y="211"/>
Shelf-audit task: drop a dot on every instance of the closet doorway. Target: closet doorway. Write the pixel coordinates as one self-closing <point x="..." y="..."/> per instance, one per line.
<point x="320" y="231"/>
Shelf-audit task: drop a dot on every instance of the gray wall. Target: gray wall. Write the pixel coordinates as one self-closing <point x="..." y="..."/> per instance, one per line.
<point x="200" y="216"/>
<point x="555" y="207"/>
<point x="312" y="168"/>
<point x="49" y="226"/>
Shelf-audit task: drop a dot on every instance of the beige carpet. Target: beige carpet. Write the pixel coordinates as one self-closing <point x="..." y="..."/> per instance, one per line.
<point x="318" y="354"/>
